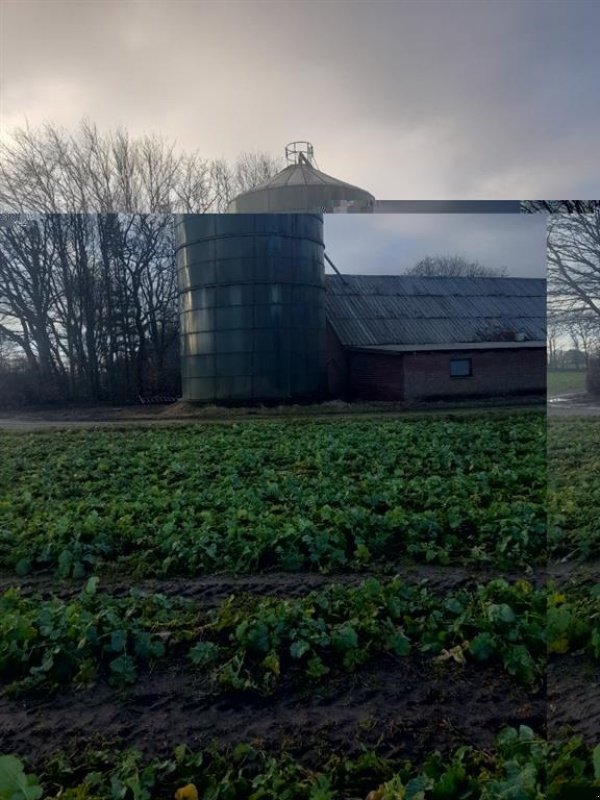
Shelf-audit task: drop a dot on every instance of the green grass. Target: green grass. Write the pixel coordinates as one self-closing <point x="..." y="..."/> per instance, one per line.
<point x="258" y="496"/>
<point x="565" y="381"/>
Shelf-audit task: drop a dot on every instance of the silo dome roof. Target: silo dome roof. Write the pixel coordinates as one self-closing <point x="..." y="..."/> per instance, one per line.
<point x="301" y="187"/>
<point x="302" y="174"/>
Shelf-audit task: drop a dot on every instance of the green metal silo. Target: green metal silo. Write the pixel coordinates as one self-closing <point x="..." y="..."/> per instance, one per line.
<point x="252" y="306"/>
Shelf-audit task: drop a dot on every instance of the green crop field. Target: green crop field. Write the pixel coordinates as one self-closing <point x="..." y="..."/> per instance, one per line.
<point x="574" y="487"/>
<point x="275" y="496"/>
<point x="300" y="610"/>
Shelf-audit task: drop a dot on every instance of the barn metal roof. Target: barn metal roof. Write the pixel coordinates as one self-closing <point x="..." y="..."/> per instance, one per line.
<point x="387" y="310"/>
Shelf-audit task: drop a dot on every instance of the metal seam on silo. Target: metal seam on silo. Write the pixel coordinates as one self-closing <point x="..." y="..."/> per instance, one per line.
<point x="287" y="323"/>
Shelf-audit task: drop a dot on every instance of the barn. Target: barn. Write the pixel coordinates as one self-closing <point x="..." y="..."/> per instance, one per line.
<point x="398" y="337"/>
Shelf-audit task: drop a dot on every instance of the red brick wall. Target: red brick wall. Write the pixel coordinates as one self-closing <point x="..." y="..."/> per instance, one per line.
<point x="372" y="375"/>
<point x="337" y="366"/>
<point x="495" y="372"/>
<point x="376" y="376"/>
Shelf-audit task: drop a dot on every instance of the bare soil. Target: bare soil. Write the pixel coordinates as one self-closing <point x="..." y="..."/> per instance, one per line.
<point x="212" y="589"/>
<point x="573" y="685"/>
<point x="43" y="418"/>
<point x="401" y="707"/>
<point x="405" y="708"/>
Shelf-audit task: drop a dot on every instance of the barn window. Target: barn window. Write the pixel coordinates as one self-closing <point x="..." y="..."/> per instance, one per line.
<point x="461" y="368"/>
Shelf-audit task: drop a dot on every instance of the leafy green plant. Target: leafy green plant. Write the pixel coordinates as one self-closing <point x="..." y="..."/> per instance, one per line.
<point x="521" y="766"/>
<point x="250" y="642"/>
<point x="574" y="488"/>
<point x="275" y="495"/>
<point x="15" y="784"/>
<point x="52" y="642"/>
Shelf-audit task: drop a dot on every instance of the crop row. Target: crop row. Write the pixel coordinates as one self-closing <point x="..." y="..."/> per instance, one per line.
<point x="574" y="487"/>
<point x="521" y="766"/>
<point x="251" y="642"/>
<point x="278" y="495"/>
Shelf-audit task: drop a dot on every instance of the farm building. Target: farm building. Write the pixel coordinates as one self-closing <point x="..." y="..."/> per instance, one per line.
<point x="399" y="337"/>
<point x="261" y="321"/>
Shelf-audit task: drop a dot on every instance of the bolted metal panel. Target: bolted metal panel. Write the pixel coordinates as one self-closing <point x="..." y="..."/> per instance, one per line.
<point x="252" y="310"/>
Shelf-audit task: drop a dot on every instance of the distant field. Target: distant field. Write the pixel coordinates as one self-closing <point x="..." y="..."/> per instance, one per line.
<point x="565" y="381"/>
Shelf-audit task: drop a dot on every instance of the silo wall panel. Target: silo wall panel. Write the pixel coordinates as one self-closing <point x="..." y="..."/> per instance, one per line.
<point x="252" y="306"/>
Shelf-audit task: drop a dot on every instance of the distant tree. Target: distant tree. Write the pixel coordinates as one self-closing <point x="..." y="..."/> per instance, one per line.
<point x="559" y="206"/>
<point x="453" y="267"/>
<point x="573" y="254"/>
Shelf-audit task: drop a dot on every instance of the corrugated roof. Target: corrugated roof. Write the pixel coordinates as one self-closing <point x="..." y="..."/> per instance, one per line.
<point x="371" y="310"/>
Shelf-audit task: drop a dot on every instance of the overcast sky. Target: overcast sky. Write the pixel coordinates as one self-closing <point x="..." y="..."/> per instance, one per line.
<point x="388" y="244"/>
<point x="435" y="99"/>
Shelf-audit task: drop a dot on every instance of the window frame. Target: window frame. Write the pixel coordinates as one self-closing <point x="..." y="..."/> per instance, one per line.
<point x="469" y="361"/>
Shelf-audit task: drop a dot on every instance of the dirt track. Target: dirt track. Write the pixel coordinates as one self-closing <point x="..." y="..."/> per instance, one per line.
<point x="185" y="414"/>
<point x="402" y="706"/>
<point x="573" y="405"/>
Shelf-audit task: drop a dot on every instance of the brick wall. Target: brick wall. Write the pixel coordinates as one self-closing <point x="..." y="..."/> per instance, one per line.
<point x="395" y="376"/>
<point x="376" y="376"/>
<point x="495" y="372"/>
<point x="337" y="366"/>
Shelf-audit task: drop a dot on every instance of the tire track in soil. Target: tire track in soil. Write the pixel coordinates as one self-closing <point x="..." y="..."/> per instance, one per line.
<point x="403" y="708"/>
<point x="573" y="696"/>
<point x="212" y="589"/>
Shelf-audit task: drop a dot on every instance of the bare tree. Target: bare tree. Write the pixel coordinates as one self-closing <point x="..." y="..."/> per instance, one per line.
<point x="560" y="206"/>
<point x="453" y="267"/>
<point x="51" y="170"/>
<point x="252" y="169"/>
<point x="573" y="254"/>
<point x="27" y="293"/>
<point x="91" y="302"/>
<point x="88" y="295"/>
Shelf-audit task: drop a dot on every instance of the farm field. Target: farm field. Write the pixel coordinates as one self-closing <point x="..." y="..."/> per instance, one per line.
<point x="574" y="488"/>
<point x="275" y="496"/>
<point x="288" y="609"/>
<point x="573" y="674"/>
<point x="565" y="382"/>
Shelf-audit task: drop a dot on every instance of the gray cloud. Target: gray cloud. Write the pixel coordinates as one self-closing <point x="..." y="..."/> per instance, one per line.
<point x="388" y="244"/>
<point x="419" y="100"/>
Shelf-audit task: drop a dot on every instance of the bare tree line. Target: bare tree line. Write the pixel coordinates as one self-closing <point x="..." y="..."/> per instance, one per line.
<point x="51" y="170"/>
<point x="453" y="267"/>
<point x="560" y="206"/>
<point x="573" y="257"/>
<point x="88" y="307"/>
<point x="88" y="294"/>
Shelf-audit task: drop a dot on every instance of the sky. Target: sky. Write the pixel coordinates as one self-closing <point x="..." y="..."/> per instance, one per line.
<point x="388" y="244"/>
<point x="410" y="99"/>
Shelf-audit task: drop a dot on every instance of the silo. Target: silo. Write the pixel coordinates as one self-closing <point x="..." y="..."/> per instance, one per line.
<point x="252" y="306"/>
<point x="301" y="187"/>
